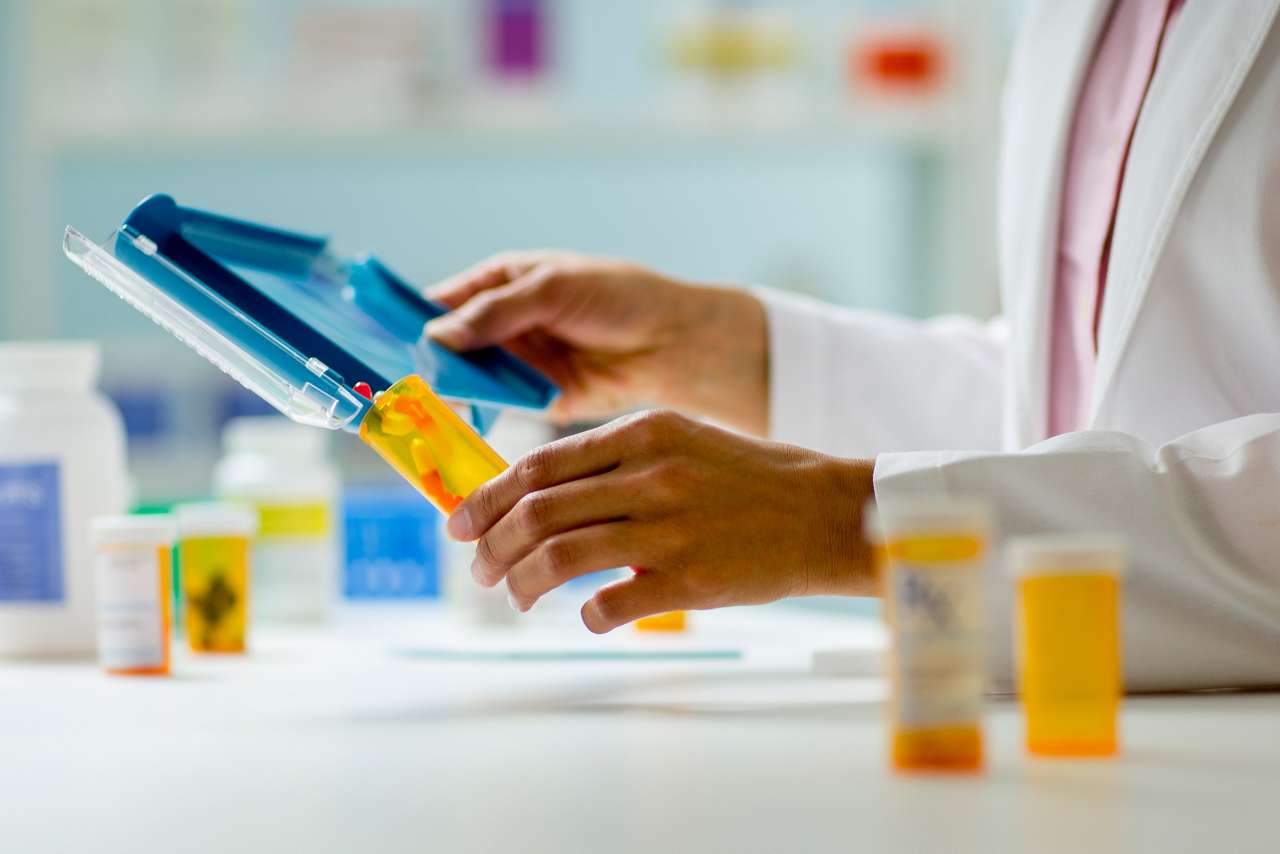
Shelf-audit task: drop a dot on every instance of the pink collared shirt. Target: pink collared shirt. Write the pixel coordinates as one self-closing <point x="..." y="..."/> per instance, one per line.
<point x="1106" y="114"/>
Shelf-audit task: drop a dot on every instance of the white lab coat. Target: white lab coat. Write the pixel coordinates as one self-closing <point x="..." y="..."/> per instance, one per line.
<point x="1182" y="450"/>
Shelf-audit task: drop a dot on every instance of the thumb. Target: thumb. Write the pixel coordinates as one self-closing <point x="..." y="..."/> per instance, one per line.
<point x="495" y="315"/>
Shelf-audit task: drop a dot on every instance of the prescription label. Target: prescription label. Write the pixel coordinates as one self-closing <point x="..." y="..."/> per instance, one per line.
<point x="936" y="612"/>
<point x="30" y="533"/>
<point x="131" y="625"/>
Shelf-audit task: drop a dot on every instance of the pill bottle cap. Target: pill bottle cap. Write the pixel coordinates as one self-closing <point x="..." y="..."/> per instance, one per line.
<point x="45" y="365"/>
<point x="216" y="518"/>
<point x="273" y="435"/>
<point x="934" y="517"/>
<point x="1077" y="554"/>
<point x="148" y="530"/>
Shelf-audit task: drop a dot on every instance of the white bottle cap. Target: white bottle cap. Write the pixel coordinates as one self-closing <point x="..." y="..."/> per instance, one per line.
<point x="273" y="436"/>
<point x="1089" y="554"/>
<point x="216" y="519"/>
<point x="49" y="364"/>
<point x="132" y="530"/>
<point x="934" y="517"/>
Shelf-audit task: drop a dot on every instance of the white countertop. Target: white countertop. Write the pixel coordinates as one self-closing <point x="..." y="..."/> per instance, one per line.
<point x="391" y="730"/>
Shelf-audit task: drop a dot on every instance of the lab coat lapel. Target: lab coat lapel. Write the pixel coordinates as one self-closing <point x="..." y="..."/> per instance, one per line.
<point x="1048" y="73"/>
<point x="1205" y="59"/>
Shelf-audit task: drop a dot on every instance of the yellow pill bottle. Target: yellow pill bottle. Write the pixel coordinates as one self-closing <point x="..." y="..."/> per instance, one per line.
<point x="934" y="582"/>
<point x="214" y="557"/>
<point x="1067" y="628"/>
<point x="423" y="439"/>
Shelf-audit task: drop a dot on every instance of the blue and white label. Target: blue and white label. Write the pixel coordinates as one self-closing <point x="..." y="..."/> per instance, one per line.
<point x="130" y="607"/>
<point x="30" y="533"/>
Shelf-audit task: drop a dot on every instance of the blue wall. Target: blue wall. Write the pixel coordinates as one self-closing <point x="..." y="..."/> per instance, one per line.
<point x="9" y="82"/>
<point x="813" y="215"/>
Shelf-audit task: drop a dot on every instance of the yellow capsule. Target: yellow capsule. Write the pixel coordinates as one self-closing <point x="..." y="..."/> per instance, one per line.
<point x="423" y="459"/>
<point x="396" y="424"/>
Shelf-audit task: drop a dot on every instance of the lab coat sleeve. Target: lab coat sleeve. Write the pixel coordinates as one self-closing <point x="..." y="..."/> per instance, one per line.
<point x="859" y="383"/>
<point x="1200" y="515"/>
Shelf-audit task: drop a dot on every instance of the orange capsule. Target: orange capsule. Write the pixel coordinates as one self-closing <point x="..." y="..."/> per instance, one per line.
<point x="435" y="489"/>
<point x="414" y="410"/>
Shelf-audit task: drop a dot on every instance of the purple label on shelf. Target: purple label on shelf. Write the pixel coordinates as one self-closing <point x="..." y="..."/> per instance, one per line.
<point x="516" y="37"/>
<point x="30" y="533"/>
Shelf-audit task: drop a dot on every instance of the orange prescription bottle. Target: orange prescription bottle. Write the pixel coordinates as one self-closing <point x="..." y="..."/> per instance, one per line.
<point x="131" y="568"/>
<point x="214" y="542"/>
<point x="672" y="621"/>
<point x="1068" y="642"/>
<point x="424" y="440"/>
<point x="934" y="584"/>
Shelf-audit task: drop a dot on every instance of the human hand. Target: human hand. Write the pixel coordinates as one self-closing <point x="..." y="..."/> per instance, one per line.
<point x="712" y="518"/>
<point x="613" y="335"/>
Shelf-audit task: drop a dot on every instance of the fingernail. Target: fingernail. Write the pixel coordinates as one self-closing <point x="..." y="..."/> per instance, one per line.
<point x="459" y="524"/>
<point x="447" y="331"/>
<point x="477" y="574"/>
<point x="591" y="617"/>
<point x="515" y="606"/>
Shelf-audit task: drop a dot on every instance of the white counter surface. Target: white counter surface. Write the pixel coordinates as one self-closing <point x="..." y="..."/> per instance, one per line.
<point x="394" y="730"/>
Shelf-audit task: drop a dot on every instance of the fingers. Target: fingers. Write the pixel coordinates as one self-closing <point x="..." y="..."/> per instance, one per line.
<point x="566" y="556"/>
<point x="575" y="457"/>
<point x="489" y="273"/>
<point x="540" y="516"/>
<point x="627" y="601"/>
<point x="496" y="314"/>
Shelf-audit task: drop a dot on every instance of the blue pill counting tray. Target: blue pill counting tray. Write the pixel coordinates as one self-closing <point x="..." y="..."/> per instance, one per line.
<point x="290" y="320"/>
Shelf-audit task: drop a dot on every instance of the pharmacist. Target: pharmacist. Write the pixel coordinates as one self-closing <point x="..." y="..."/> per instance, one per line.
<point x="1132" y="384"/>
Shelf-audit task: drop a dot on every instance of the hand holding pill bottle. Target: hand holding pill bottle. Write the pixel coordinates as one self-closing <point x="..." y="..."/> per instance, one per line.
<point x="423" y="439"/>
<point x="935" y="566"/>
<point x="1068" y="642"/>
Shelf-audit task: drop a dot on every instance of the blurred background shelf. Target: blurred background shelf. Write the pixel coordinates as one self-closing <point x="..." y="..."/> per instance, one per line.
<point x="923" y="131"/>
<point x="839" y="148"/>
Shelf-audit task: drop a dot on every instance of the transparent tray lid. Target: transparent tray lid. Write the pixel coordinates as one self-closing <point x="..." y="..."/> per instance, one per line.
<point x="292" y="322"/>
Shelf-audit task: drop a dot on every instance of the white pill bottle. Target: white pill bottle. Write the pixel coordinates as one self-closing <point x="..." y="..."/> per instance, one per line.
<point x="62" y="462"/>
<point x="283" y="470"/>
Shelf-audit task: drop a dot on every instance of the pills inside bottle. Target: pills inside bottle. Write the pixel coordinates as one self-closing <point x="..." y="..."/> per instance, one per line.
<point x="423" y="439"/>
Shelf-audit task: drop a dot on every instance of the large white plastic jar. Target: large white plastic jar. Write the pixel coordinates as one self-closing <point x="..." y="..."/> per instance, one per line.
<point x="283" y="470"/>
<point x="62" y="462"/>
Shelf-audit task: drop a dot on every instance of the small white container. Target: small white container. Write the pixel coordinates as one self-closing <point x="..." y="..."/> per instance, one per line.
<point x="133" y="573"/>
<point x="283" y="471"/>
<point x="62" y="462"/>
